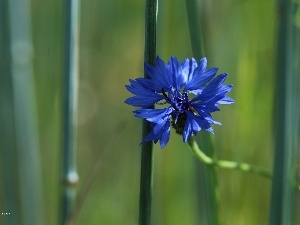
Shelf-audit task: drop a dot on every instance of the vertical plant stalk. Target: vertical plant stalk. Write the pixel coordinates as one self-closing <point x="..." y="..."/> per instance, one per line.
<point x="24" y="114"/>
<point x="211" y="187"/>
<point x="70" y="87"/>
<point x="282" y="210"/>
<point x="193" y="14"/>
<point x="7" y="130"/>
<point x="146" y="179"/>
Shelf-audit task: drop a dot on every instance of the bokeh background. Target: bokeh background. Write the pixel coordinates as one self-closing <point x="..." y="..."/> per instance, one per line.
<point x="239" y="38"/>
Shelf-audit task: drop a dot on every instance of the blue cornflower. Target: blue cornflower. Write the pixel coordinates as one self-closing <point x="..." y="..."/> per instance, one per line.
<point x="191" y="92"/>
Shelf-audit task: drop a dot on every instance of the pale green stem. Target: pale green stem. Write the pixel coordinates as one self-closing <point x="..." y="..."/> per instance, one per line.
<point x="226" y="164"/>
<point x="26" y="134"/>
<point x="210" y="181"/>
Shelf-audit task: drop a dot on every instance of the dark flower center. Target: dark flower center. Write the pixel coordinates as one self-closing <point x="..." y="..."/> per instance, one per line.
<point x="180" y="103"/>
<point x="178" y="122"/>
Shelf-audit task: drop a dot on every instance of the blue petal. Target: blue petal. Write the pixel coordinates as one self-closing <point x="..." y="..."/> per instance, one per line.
<point x="160" y="131"/>
<point x="214" y="84"/>
<point x="226" y="100"/>
<point x="159" y="74"/>
<point x="203" y="123"/>
<point x="138" y="89"/>
<point x="148" y="83"/>
<point x="193" y="125"/>
<point x="204" y="112"/>
<point x="202" y="64"/>
<point x="165" y="135"/>
<point x="214" y="91"/>
<point x="218" y="95"/>
<point x="210" y="130"/>
<point x="176" y="72"/>
<point x="193" y="68"/>
<point x="143" y="96"/>
<point x="200" y="78"/>
<point x="142" y="101"/>
<point x="154" y="115"/>
<point x="206" y="108"/>
<point x="188" y="66"/>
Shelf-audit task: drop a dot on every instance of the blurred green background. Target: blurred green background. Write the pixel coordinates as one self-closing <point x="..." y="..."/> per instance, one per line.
<point x="239" y="38"/>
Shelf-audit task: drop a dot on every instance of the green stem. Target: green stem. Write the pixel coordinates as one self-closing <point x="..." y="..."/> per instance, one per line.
<point x="286" y="117"/>
<point x="146" y="179"/>
<point x="210" y="184"/>
<point x="226" y="164"/>
<point x="71" y="70"/>
<point x="8" y="150"/>
<point x="192" y="9"/>
<point x="26" y="133"/>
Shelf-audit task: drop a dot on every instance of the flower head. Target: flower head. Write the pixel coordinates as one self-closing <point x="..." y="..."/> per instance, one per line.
<point x="189" y="90"/>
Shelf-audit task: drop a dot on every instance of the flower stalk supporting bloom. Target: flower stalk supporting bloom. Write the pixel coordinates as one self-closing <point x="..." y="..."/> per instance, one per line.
<point x="209" y="178"/>
<point x="226" y="164"/>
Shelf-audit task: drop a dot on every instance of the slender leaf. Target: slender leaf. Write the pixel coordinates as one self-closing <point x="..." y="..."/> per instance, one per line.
<point x="24" y="115"/>
<point x="286" y="117"/>
<point x="8" y="154"/>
